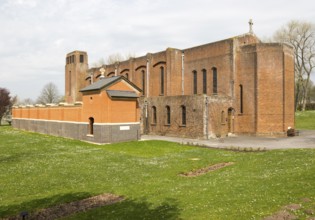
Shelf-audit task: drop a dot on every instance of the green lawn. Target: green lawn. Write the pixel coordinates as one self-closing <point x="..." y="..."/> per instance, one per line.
<point x="305" y="120"/>
<point x="38" y="171"/>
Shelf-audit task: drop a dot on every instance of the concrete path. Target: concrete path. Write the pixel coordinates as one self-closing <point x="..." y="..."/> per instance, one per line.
<point x="306" y="139"/>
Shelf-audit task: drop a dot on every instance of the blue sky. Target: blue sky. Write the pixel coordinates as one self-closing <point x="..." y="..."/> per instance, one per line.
<point x="37" y="34"/>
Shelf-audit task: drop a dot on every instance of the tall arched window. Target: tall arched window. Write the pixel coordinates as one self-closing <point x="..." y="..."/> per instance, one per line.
<point x="143" y="82"/>
<point x="154" y="115"/>
<point x="183" y="114"/>
<point x="214" y="81"/>
<point x="195" y="82"/>
<point x="204" y="81"/>
<point x="241" y="98"/>
<point x="91" y="125"/>
<point x="162" y="80"/>
<point x="168" y="115"/>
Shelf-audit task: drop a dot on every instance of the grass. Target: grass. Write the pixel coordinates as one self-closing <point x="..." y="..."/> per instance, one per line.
<point x="305" y="120"/>
<point x="38" y="171"/>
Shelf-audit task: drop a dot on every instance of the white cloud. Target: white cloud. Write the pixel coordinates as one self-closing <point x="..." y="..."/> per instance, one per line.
<point x="37" y="34"/>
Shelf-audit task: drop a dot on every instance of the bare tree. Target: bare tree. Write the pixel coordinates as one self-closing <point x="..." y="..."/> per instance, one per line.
<point x="99" y="63"/>
<point x="117" y="57"/>
<point x="113" y="58"/>
<point x="4" y="102"/>
<point x="301" y="36"/>
<point x="49" y="94"/>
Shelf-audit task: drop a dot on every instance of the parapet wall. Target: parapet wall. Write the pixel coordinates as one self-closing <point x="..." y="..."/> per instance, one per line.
<point x="66" y="121"/>
<point x="50" y="112"/>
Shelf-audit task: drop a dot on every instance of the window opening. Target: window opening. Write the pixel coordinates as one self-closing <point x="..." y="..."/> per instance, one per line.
<point x="204" y="80"/>
<point x="153" y="115"/>
<point x="183" y="115"/>
<point x="168" y="115"/>
<point x="91" y="125"/>
<point x="162" y="81"/>
<point x="195" y="82"/>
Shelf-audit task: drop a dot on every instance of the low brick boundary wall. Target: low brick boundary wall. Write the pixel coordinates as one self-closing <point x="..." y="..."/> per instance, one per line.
<point x="103" y="133"/>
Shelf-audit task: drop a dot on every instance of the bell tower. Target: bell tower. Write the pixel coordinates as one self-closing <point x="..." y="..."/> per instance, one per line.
<point x="75" y="74"/>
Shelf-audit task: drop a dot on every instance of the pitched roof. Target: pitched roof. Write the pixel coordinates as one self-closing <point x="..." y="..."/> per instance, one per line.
<point x="105" y="82"/>
<point x="121" y="94"/>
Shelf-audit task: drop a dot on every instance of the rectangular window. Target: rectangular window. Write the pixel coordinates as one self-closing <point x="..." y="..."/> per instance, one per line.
<point x="241" y="98"/>
<point x="81" y="59"/>
<point x="168" y="115"/>
<point x="183" y="115"/>
<point x="204" y="80"/>
<point x="143" y="82"/>
<point x="195" y="82"/>
<point x="162" y="81"/>
<point x="154" y="115"/>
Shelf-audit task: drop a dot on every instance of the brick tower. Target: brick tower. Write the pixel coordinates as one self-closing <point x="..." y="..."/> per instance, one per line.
<point x="75" y="74"/>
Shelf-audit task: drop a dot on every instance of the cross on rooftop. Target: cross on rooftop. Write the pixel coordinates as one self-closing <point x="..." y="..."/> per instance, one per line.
<point x="251" y="26"/>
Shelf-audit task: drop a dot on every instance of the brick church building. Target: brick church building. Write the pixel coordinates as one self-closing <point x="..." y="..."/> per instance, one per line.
<point x="236" y="86"/>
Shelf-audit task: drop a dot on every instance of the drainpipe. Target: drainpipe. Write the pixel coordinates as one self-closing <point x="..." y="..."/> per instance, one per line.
<point x="146" y="121"/>
<point x="183" y="71"/>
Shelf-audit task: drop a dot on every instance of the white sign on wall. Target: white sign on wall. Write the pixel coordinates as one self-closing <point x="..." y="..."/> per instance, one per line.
<point x="124" y="128"/>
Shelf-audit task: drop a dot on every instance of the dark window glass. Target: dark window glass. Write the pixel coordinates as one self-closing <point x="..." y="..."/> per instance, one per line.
<point x="241" y="98"/>
<point x="204" y="81"/>
<point x="195" y="82"/>
<point x="91" y="125"/>
<point x="81" y="59"/>
<point x="168" y="115"/>
<point x="154" y="115"/>
<point x="143" y="82"/>
<point x="162" y="81"/>
<point x="183" y="115"/>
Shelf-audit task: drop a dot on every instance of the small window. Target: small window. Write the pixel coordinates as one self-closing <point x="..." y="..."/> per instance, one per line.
<point x="195" y="82"/>
<point x="154" y="115"/>
<point x="241" y="98"/>
<point x="168" y="115"/>
<point x="81" y="58"/>
<point x="183" y="115"/>
<point x="91" y="126"/>
<point x="162" y="81"/>
<point x="143" y="82"/>
<point x="214" y="80"/>
<point x="204" y="81"/>
<point x="73" y="59"/>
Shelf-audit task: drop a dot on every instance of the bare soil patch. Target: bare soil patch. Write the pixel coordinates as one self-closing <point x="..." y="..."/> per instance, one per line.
<point x="282" y="215"/>
<point x="295" y="211"/>
<point x="64" y="210"/>
<point x="206" y="169"/>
